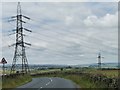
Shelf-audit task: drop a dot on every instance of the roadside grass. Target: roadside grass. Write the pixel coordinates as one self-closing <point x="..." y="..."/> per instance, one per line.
<point x="13" y="82"/>
<point x="80" y="80"/>
<point x="0" y="83"/>
<point x="107" y="73"/>
<point x="44" y="71"/>
<point x="6" y="71"/>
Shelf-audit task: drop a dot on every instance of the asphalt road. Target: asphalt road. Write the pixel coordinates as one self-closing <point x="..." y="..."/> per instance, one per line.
<point x="52" y="83"/>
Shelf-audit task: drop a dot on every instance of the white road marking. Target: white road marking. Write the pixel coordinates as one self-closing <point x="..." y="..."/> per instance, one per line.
<point x="47" y="83"/>
<point x="50" y="79"/>
<point x="40" y="88"/>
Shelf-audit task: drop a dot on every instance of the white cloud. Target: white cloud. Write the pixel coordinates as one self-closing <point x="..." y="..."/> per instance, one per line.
<point x="68" y="20"/>
<point x="40" y="44"/>
<point x="109" y="21"/>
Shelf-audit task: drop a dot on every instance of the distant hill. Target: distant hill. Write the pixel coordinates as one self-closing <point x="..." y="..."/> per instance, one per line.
<point x="52" y="66"/>
<point x="105" y="65"/>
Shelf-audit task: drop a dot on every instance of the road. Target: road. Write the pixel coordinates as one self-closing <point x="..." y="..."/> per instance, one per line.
<point x="52" y="83"/>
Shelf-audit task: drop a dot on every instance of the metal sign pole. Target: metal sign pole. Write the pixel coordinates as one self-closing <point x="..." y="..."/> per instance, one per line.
<point x="3" y="69"/>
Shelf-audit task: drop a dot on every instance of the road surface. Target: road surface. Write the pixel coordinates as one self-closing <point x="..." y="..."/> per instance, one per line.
<point x="52" y="83"/>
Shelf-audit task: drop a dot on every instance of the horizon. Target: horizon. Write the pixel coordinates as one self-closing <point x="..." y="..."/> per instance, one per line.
<point x="68" y="64"/>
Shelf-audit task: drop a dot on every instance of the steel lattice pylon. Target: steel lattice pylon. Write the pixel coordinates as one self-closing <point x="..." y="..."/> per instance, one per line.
<point x="99" y="60"/>
<point x="20" y="54"/>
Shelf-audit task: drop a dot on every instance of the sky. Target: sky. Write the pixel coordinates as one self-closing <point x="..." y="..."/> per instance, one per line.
<point x="69" y="33"/>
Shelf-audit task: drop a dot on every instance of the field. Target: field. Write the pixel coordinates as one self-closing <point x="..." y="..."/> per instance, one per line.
<point x="108" y="73"/>
<point x="44" y="71"/>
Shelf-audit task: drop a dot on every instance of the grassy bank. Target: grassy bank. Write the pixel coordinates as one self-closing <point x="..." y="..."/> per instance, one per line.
<point x="81" y="81"/>
<point x="107" y="73"/>
<point x="12" y="82"/>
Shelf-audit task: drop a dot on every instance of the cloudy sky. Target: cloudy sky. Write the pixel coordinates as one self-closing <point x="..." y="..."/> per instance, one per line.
<point x="64" y="32"/>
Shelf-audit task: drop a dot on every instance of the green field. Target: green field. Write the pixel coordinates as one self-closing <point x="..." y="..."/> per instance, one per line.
<point x="6" y="72"/>
<point x="44" y="71"/>
<point x="108" y="73"/>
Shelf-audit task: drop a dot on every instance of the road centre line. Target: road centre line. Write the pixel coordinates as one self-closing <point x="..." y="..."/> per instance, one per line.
<point x="46" y="83"/>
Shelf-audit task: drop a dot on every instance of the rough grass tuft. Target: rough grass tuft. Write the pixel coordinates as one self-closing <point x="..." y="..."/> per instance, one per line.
<point x="16" y="81"/>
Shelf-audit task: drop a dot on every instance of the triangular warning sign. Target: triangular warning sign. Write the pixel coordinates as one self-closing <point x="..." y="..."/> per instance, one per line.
<point x="3" y="61"/>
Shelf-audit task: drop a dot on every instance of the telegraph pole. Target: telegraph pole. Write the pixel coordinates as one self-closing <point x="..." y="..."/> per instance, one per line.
<point x="99" y="60"/>
<point x="20" y="54"/>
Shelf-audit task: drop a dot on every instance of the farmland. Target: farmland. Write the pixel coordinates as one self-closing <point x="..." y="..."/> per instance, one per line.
<point x="85" y="77"/>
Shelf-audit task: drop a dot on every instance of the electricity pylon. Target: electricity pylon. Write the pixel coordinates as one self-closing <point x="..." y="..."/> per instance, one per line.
<point x="20" y="54"/>
<point x="99" y="60"/>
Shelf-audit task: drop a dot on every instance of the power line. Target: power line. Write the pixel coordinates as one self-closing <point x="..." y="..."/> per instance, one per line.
<point x="76" y="35"/>
<point x="61" y="43"/>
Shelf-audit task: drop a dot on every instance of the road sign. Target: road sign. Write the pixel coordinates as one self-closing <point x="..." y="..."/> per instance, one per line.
<point x="3" y="61"/>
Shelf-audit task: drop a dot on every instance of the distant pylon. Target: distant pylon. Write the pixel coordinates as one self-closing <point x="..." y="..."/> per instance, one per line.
<point x="20" y="54"/>
<point x="99" y="60"/>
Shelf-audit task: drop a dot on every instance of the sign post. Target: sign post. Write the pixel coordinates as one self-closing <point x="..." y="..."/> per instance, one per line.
<point x="3" y="61"/>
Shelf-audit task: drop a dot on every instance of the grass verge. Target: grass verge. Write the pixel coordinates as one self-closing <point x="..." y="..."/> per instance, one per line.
<point x="13" y="82"/>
